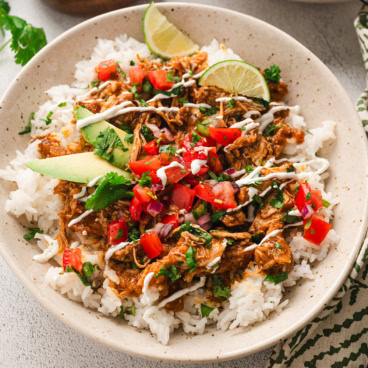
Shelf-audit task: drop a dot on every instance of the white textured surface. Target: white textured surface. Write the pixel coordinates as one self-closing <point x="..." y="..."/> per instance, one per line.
<point x="29" y="335"/>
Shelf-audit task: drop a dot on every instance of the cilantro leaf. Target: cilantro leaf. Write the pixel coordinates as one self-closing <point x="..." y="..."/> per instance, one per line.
<point x="196" y="231"/>
<point x="28" y="128"/>
<point x="128" y="310"/>
<point x="134" y="234"/>
<point x="170" y="76"/>
<point x="190" y="257"/>
<point x="32" y="232"/>
<point x="217" y="216"/>
<point x="289" y="219"/>
<point x="145" y="180"/>
<point x="277" y="278"/>
<point x="112" y="188"/>
<point x="271" y="129"/>
<point x="231" y="103"/>
<point x="207" y="112"/>
<point x="194" y="139"/>
<point x="290" y="169"/>
<point x="26" y="40"/>
<point x="256" y="238"/>
<point x="272" y="73"/>
<point x="257" y="201"/>
<point x="206" y="310"/>
<point x="147" y="134"/>
<point x="106" y="142"/>
<point x="171" y="150"/>
<point x="129" y="138"/>
<point x="170" y="272"/>
<point x="183" y="100"/>
<point x="219" y="289"/>
<point x="326" y="203"/>
<point x="126" y="128"/>
<point x="277" y="202"/>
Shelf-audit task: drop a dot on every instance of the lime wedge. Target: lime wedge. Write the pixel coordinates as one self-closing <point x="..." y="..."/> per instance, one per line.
<point x="163" y="38"/>
<point x="237" y="76"/>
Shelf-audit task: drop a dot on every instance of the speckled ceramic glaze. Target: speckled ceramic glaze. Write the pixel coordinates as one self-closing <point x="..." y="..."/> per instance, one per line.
<point x="311" y="85"/>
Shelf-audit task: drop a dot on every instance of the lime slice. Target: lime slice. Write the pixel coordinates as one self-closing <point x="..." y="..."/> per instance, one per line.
<point x="237" y="76"/>
<point x="163" y="38"/>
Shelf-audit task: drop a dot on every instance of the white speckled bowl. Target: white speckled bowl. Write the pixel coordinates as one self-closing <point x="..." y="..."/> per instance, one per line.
<point x="311" y="85"/>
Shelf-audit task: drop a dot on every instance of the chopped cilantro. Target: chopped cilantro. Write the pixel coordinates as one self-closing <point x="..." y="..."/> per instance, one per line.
<point x="95" y="83"/>
<point x="27" y="129"/>
<point x="196" y="231"/>
<point x="290" y="169"/>
<point x="190" y="257"/>
<point x="248" y="168"/>
<point x="217" y="216"/>
<point x="143" y="103"/>
<point x="171" y="150"/>
<point x="111" y="189"/>
<point x="272" y="73"/>
<point x="278" y="246"/>
<point x="62" y="104"/>
<point x="147" y="87"/>
<point x="131" y="63"/>
<point x="134" y="234"/>
<point x="221" y="177"/>
<point x="129" y="138"/>
<point x="119" y="70"/>
<point x="309" y="196"/>
<point x="32" y="232"/>
<point x="183" y="100"/>
<point x="277" y="202"/>
<point x="134" y="90"/>
<point x="206" y="310"/>
<point x="308" y="131"/>
<point x="48" y="120"/>
<point x="219" y="289"/>
<point x="231" y="103"/>
<point x="145" y="180"/>
<point x="126" y="128"/>
<point x="256" y="238"/>
<point x="257" y="201"/>
<point x="89" y="269"/>
<point x="106" y="142"/>
<point x="271" y="129"/>
<point x="194" y="139"/>
<point x="207" y="112"/>
<point x="289" y="219"/>
<point x="277" y="278"/>
<point x="147" y="134"/>
<point x="170" y="272"/>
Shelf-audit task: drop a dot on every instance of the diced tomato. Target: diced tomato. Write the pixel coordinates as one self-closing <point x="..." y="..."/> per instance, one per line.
<point x="136" y="75"/>
<point x="106" y="69"/>
<point x="149" y="163"/>
<point x="175" y="174"/>
<point x="142" y="194"/>
<point x="73" y="259"/>
<point x="151" y="147"/>
<point x="135" y="209"/>
<point x="204" y="191"/>
<point x="151" y="244"/>
<point x="306" y="196"/>
<point x="316" y="229"/>
<point x="167" y="159"/>
<point x="221" y="195"/>
<point x="224" y="195"/>
<point x="189" y="157"/>
<point x="196" y="140"/>
<point x="182" y="196"/>
<point x="224" y="136"/>
<point x="158" y="78"/>
<point x="214" y="162"/>
<point x="171" y="219"/>
<point x="118" y="232"/>
<point x="316" y="199"/>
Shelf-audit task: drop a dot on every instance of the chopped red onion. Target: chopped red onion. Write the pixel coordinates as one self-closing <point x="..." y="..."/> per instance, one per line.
<point x="216" y="123"/>
<point x="307" y="211"/>
<point x="155" y="129"/>
<point x="163" y="230"/>
<point x="230" y="171"/>
<point x="154" y="208"/>
<point x="206" y="226"/>
<point x="168" y="137"/>
<point x="204" y="219"/>
<point x="236" y="187"/>
<point x="156" y="187"/>
<point x="189" y="217"/>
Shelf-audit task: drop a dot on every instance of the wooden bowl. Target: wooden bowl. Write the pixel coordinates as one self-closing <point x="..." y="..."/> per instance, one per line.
<point x="87" y="7"/>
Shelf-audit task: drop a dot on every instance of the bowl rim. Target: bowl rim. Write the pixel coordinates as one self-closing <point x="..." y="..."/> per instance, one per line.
<point x="234" y="354"/>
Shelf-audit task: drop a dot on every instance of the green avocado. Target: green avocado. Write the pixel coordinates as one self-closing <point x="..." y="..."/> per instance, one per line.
<point x="79" y="168"/>
<point x="120" y="158"/>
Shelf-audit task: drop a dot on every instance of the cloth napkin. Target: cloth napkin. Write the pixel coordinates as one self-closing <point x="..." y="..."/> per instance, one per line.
<point x="338" y="336"/>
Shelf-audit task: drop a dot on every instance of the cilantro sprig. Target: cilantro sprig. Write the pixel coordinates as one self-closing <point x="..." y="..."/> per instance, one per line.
<point x="219" y="289"/>
<point x="32" y="233"/>
<point x="28" y="128"/>
<point x="170" y="272"/>
<point x="276" y="279"/>
<point x="106" y="142"/>
<point x="190" y="257"/>
<point x="272" y="73"/>
<point x="112" y="188"/>
<point x="25" y="40"/>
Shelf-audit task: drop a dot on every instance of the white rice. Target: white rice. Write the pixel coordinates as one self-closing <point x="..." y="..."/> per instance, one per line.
<point x="251" y="300"/>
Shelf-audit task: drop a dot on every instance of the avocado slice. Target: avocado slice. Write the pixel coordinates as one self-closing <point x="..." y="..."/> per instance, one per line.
<point x="79" y="168"/>
<point x="91" y="132"/>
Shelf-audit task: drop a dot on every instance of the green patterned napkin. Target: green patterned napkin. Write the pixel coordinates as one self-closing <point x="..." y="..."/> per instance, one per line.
<point x="338" y="337"/>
